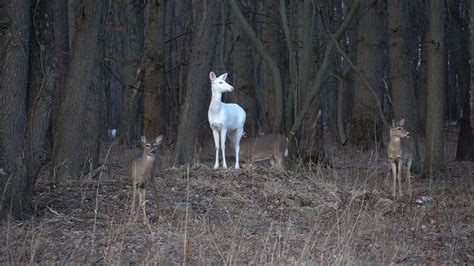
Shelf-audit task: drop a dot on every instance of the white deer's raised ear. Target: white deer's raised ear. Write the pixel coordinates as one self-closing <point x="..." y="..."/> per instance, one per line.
<point x="143" y="139"/>
<point x="223" y="76"/>
<point x="393" y="122"/>
<point x="402" y="122"/>
<point x="212" y="76"/>
<point x="159" y="139"/>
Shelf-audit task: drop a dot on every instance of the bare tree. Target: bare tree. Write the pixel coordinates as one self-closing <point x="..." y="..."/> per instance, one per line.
<point x="14" y="41"/>
<point x="366" y="126"/>
<point x="193" y="116"/>
<point x="434" y="150"/>
<point x="401" y="80"/>
<point x="155" y="80"/>
<point x="71" y="117"/>
<point x="460" y="18"/>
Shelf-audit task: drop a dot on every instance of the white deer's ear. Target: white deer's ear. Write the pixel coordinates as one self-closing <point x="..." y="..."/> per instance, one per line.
<point x="393" y="122"/>
<point x="402" y="122"/>
<point x="223" y="76"/>
<point x="143" y="139"/>
<point x="212" y="76"/>
<point x="159" y="139"/>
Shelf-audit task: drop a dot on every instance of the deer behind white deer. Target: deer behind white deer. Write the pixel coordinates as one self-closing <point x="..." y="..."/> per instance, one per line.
<point x="272" y="146"/>
<point x="225" y="119"/>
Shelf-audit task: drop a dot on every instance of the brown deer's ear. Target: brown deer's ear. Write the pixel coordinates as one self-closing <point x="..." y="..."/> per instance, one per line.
<point x="159" y="139"/>
<point x="402" y="122"/>
<point x="143" y="139"/>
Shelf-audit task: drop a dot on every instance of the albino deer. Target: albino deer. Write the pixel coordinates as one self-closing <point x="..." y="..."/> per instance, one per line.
<point x="399" y="156"/>
<point x="141" y="170"/>
<point x="225" y="119"/>
<point x="272" y="146"/>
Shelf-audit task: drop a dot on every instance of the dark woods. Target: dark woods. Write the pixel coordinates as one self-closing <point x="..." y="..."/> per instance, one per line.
<point x="73" y="71"/>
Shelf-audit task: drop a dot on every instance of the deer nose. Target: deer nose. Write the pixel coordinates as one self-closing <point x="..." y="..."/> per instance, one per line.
<point x="231" y="88"/>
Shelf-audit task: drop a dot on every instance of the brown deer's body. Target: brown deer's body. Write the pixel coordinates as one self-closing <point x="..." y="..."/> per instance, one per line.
<point x="140" y="170"/>
<point x="399" y="156"/>
<point x="271" y="146"/>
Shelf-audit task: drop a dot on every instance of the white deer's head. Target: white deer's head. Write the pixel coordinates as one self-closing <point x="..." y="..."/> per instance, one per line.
<point x="218" y="84"/>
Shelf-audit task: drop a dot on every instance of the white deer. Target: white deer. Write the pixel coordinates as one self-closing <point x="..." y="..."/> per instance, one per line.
<point x="225" y="118"/>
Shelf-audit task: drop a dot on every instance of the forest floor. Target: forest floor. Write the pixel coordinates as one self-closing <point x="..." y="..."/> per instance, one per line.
<point x="255" y="215"/>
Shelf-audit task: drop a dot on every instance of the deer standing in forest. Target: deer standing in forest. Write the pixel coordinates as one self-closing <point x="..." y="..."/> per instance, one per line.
<point x="141" y="169"/>
<point x="225" y="119"/>
<point x="272" y="146"/>
<point x="399" y="156"/>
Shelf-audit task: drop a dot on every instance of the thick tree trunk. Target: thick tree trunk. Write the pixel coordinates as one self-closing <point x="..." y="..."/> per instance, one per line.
<point x="434" y="150"/>
<point x="193" y="115"/>
<point x="15" y="188"/>
<point x="244" y="78"/>
<point x="41" y="86"/>
<point x="132" y="72"/>
<point x="155" y="97"/>
<point x="366" y="126"/>
<point x="72" y="110"/>
<point x="271" y="63"/>
<point x="401" y="80"/>
<point x="459" y="10"/>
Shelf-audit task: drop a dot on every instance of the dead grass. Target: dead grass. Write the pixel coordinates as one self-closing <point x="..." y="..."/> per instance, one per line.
<point x="256" y="215"/>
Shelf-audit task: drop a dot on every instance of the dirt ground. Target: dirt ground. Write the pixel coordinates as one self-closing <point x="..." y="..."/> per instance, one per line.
<point x="255" y="215"/>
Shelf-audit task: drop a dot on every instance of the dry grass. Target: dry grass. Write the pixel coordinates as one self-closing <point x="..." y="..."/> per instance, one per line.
<point x="257" y="215"/>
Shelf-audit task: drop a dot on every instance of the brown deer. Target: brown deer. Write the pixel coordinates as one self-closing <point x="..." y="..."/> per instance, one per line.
<point x="399" y="156"/>
<point x="140" y="170"/>
<point x="272" y="146"/>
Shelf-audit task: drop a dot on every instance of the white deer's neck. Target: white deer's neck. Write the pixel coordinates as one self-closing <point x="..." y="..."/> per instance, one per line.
<point x="215" y="105"/>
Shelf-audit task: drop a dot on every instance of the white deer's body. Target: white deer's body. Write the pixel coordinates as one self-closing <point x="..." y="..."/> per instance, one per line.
<point x="225" y="119"/>
<point x="399" y="157"/>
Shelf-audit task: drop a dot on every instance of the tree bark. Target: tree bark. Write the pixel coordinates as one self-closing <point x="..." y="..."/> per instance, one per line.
<point x="434" y="150"/>
<point x="401" y="81"/>
<point x="366" y="126"/>
<point x="15" y="187"/>
<point x="41" y="89"/>
<point x="193" y="115"/>
<point x="71" y="117"/>
<point x="277" y="79"/>
<point x="460" y="12"/>
<point x="155" y="96"/>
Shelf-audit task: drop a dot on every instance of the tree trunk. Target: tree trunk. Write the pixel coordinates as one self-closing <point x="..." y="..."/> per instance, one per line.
<point x="41" y="87"/>
<point x="401" y="81"/>
<point x="132" y="72"/>
<point x="459" y="10"/>
<point x="366" y="126"/>
<point x="193" y="115"/>
<point x="244" y="77"/>
<point x="15" y="187"/>
<point x="272" y="64"/>
<point x="155" y="97"/>
<point x="434" y="150"/>
<point x="72" y="110"/>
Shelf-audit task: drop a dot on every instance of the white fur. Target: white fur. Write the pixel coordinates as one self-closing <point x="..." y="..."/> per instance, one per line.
<point x="225" y="119"/>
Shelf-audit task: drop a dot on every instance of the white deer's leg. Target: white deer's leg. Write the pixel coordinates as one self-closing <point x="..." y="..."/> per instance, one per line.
<point x="223" y="136"/>
<point x="394" y="176"/>
<point x="237" y="136"/>
<point x="409" y="177"/>
<point x="215" y="134"/>
<point x="132" y="209"/>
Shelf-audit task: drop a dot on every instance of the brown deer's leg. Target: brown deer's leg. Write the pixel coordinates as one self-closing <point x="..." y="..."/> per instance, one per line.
<point x="409" y="179"/>
<point x="394" y="175"/>
<point x="132" y="209"/>
<point x="399" y="177"/>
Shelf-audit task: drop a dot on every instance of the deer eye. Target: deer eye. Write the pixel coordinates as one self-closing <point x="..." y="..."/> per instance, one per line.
<point x="148" y="145"/>
<point x="399" y="128"/>
<point x="220" y="82"/>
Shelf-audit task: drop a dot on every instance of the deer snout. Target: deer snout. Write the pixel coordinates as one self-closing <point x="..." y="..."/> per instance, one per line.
<point x="231" y="88"/>
<point x="408" y="134"/>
